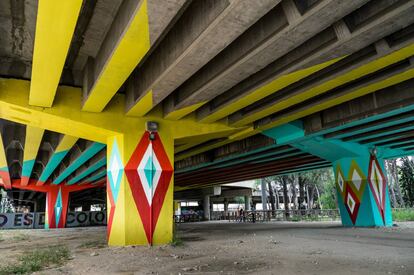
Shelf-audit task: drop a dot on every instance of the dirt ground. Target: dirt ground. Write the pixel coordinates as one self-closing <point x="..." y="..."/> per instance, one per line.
<point x="231" y="248"/>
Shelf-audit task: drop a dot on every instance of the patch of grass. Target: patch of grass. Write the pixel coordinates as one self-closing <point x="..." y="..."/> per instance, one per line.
<point x="403" y="215"/>
<point x="37" y="260"/>
<point x="93" y="244"/>
<point x="20" y="237"/>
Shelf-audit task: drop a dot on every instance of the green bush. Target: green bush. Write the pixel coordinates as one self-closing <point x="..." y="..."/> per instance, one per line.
<point x="403" y="215"/>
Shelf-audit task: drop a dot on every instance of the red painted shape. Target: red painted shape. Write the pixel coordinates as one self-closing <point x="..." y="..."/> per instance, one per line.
<point x="381" y="205"/>
<point x="111" y="211"/>
<point x="5" y="179"/>
<point x="52" y="191"/>
<point x="354" y="214"/>
<point x="149" y="213"/>
<point x="24" y="181"/>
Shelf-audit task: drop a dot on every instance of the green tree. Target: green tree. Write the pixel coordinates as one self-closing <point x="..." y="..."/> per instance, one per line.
<point x="406" y="171"/>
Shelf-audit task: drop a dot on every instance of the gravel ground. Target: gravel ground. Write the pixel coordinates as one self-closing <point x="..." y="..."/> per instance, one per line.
<point x="231" y="248"/>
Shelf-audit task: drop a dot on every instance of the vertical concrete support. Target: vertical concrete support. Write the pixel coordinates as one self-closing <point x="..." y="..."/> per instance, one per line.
<point x="264" y="194"/>
<point x="362" y="191"/>
<point x="206" y="207"/>
<point x="140" y="188"/>
<point x="57" y="200"/>
<point x="226" y="207"/>
<point x="247" y="203"/>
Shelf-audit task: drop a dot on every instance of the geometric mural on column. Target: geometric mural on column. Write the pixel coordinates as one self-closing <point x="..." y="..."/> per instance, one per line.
<point x="354" y="190"/>
<point x="114" y="176"/>
<point x="149" y="173"/>
<point x="378" y="183"/>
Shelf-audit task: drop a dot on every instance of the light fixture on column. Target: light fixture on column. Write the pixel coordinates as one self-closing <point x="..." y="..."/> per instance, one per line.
<point x="152" y="127"/>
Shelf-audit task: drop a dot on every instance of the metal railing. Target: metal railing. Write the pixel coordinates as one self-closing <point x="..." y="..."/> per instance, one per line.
<point x="279" y="215"/>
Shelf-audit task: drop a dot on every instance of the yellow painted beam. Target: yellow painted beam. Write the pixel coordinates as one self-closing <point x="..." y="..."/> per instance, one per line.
<point x="341" y="99"/>
<point x="67" y="118"/>
<point x="31" y="147"/>
<point x="265" y="90"/>
<point x="179" y="114"/>
<point x="328" y="85"/>
<point x="128" y="52"/>
<point x="56" y="21"/>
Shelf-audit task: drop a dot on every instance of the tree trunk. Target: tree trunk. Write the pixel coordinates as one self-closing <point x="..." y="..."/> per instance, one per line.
<point x="271" y="195"/>
<point x="301" y="192"/>
<point x="285" y="196"/>
<point x="294" y="193"/>
<point x="319" y="197"/>
<point x="391" y="182"/>
<point x="397" y="183"/>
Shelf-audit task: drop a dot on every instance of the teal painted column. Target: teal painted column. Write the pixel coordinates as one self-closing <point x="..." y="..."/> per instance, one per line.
<point x="362" y="191"/>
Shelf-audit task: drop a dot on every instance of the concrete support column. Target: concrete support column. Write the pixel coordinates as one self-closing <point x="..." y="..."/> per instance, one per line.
<point x="264" y="194"/>
<point x="226" y="207"/>
<point x="140" y="188"/>
<point x="362" y="191"/>
<point x="206" y="207"/>
<point x="57" y="200"/>
<point x="247" y="203"/>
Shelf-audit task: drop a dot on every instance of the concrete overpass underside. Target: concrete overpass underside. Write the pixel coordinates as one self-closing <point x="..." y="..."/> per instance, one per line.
<point x="237" y="90"/>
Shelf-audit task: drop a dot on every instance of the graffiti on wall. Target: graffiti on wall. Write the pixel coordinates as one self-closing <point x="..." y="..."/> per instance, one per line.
<point x="38" y="220"/>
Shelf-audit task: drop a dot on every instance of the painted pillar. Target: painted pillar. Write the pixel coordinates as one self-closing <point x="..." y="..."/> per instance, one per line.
<point x="140" y="188"/>
<point x="206" y="207"/>
<point x="247" y="203"/>
<point x="362" y="191"/>
<point x="57" y="200"/>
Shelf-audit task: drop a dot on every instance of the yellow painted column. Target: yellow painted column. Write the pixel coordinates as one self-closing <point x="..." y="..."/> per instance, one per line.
<point x="140" y="188"/>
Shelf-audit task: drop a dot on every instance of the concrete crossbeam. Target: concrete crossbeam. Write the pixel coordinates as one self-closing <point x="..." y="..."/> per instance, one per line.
<point x="189" y="45"/>
<point x="273" y="36"/>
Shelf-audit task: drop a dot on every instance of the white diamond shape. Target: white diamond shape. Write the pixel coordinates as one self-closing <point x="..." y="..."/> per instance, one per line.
<point x="353" y="203"/>
<point x="142" y="176"/>
<point x="115" y="169"/>
<point x="376" y="176"/>
<point x="356" y="179"/>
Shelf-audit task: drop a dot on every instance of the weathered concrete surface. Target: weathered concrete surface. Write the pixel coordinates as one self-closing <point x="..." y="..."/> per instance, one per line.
<point x="281" y="30"/>
<point x="204" y="29"/>
<point x="232" y="248"/>
<point x="17" y="28"/>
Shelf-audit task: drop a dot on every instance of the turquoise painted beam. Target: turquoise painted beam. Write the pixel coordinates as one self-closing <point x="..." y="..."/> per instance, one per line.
<point x="61" y="151"/>
<point x="85" y="156"/>
<point x="363" y="121"/>
<point x="92" y="168"/>
<point x="373" y="128"/>
<point x="258" y="159"/>
<point x="204" y="165"/>
<point x="383" y="133"/>
<point x="94" y="177"/>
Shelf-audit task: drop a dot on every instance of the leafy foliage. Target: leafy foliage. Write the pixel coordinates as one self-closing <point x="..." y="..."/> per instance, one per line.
<point x="406" y="171"/>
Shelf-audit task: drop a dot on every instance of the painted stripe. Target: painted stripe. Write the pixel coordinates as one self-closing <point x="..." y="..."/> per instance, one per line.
<point x="95" y="177"/>
<point x="55" y="25"/>
<point x="129" y="51"/>
<point x="100" y="163"/>
<point x="62" y="149"/>
<point x="31" y="147"/>
<point x="328" y="85"/>
<point x="85" y="156"/>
